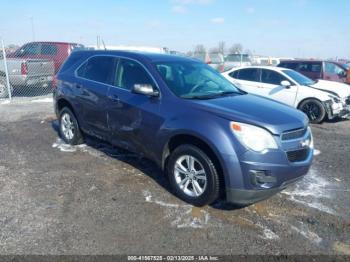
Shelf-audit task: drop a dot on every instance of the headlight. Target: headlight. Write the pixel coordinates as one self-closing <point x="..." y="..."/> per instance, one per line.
<point x="253" y="137"/>
<point x="334" y="98"/>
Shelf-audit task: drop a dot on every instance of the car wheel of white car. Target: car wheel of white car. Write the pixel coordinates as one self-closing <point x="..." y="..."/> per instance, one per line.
<point x="314" y="109"/>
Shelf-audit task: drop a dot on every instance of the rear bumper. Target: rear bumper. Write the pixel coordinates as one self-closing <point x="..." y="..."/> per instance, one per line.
<point x="34" y="81"/>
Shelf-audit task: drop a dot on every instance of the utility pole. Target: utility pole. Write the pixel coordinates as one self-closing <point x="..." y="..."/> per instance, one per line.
<point x="32" y="24"/>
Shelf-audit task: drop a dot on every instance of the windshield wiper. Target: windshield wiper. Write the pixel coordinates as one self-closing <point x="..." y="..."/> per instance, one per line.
<point x="215" y="95"/>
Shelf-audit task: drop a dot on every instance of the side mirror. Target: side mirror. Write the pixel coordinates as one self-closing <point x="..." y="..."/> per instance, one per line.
<point x="144" y="89"/>
<point x="286" y="84"/>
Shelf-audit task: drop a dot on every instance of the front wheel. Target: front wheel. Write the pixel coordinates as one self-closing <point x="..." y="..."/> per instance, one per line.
<point x="193" y="175"/>
<point x="314" y="109"/>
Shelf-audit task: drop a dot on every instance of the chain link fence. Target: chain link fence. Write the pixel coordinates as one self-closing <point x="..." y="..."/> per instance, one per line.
<point x="29" y="70"/>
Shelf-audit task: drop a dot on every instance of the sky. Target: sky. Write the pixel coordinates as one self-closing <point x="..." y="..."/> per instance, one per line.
<point x="284" y="28"/>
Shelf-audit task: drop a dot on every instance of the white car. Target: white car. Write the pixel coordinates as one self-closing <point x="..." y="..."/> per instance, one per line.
<point x="317" y="99"/>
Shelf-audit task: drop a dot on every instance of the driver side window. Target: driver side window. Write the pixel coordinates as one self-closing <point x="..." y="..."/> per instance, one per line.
<point x="130" y="73"/>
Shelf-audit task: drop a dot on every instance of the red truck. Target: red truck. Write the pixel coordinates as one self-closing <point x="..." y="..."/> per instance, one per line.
<point x="319" y="69"/>
<point x="55" y="51"/>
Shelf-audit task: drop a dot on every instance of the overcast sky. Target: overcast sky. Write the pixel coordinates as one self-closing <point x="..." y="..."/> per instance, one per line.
<point x="303" y="28"/>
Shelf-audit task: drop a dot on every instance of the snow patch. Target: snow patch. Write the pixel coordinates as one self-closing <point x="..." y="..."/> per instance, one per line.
<point x="267" y="233"/>
<point x="310" y="191"/>
<point x="181" y="215"/>
<point x="5" y="102"/>
<point x="305" y="232"/>
<point x="317" y="152"/>
<point x="43" y="100"/>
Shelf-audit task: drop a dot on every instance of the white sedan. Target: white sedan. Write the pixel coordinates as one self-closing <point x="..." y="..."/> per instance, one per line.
<point x="317" y="99"/>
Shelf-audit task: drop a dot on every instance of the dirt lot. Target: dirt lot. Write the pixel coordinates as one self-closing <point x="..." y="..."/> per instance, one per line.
<point x="96" y="199"/>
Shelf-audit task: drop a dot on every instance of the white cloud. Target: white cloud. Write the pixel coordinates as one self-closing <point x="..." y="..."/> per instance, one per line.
<point x="179" y="9"/>
<point x="181" y="6"/>
<point x="217" y="20"/>
<point x="250" y="10"/>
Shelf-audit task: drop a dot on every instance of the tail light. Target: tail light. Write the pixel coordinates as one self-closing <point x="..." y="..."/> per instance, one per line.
<point x="24" y="68"/>
<point x="54" y="81"/>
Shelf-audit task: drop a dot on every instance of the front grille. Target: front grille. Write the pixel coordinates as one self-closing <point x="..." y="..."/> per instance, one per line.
<point x="298" y="155"/>
<point x="293" y="134"/>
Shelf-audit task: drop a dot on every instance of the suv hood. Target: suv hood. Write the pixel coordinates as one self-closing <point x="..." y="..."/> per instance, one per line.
<point x="251" y="109"/>
<point x="335" y="88"/>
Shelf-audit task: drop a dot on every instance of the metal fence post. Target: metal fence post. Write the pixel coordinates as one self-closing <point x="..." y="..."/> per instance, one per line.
<point x="6" y="70"/>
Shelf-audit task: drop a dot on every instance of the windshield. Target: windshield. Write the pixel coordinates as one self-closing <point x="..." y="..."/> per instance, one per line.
<point x="193" y="80"/>
<point x="237" y="58"/>
<point x="299" y="78"/>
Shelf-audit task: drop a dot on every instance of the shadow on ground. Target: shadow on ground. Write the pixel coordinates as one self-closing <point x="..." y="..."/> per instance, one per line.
<point x="140" y="163"/>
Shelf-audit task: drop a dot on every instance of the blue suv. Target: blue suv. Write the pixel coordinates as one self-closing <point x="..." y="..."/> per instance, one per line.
<point x="209" y="137"/>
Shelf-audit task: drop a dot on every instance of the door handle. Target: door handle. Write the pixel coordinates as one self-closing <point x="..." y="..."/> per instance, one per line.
<point x="114" y="98"/>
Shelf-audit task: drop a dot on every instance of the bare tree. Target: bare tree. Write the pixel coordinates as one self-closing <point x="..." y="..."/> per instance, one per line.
<point x="222" y="47"/>
<point x="236" y="49"/>
<point x="214" y="50"/>
<point x="199" y="49"/>
<point x="248" y="52"/>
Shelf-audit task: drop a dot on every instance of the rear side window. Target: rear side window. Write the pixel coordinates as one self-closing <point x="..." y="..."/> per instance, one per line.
<point x="70" y="61"/>
<point x="249" y="74"/>
<point x="48" y="49"/>
<point x="100" y="69"/>
<point x="312" y="67"/>
<point x="288" y="65"/>
<point x="234" y="74"/>
<point x="131" y="73"/>
<point x="271" y="77"/>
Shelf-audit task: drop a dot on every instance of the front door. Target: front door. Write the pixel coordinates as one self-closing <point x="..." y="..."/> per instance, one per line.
<point x="132" y="118"/>
<point x="272" y="88"/>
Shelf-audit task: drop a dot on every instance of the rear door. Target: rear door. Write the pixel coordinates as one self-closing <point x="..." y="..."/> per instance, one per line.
<point x="248" y="79"/>
<point x="272" y="88"/>
<point x="133" y="118"/>
<point x="94" y="78"/>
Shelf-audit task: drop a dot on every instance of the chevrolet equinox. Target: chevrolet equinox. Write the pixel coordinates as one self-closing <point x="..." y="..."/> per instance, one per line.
<point x="208" y="136"/>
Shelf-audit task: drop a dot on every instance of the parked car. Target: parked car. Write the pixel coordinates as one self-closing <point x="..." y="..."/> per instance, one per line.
<point x="208" y="136"/>
<point x="318" y="69"/>
<point x="55" y="51"/>
<point x="27" y="73"/>
<point x="237" y="60"/>
<point x="317" y="99"/>
<point x="215" y="60"/>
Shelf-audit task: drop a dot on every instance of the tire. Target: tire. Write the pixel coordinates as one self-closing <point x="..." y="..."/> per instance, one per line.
<point x="69" y="127"/>
<point x="314" y="110"/>
<point x="185" y="182"/>
<point x="3" y="88"/>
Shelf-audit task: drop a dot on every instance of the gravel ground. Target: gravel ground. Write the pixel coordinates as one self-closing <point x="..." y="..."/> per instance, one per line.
<point x="96" y="199"/>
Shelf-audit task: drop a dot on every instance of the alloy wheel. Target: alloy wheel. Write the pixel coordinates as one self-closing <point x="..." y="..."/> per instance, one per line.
<point x="67" y="126"/>
<point x="190" y="176"/>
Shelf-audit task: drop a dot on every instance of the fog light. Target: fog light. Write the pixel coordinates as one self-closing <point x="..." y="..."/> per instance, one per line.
<point x="260" y="177"/>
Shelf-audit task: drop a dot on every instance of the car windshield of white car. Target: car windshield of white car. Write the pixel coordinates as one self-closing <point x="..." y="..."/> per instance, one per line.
<point x="299" y="78"/>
